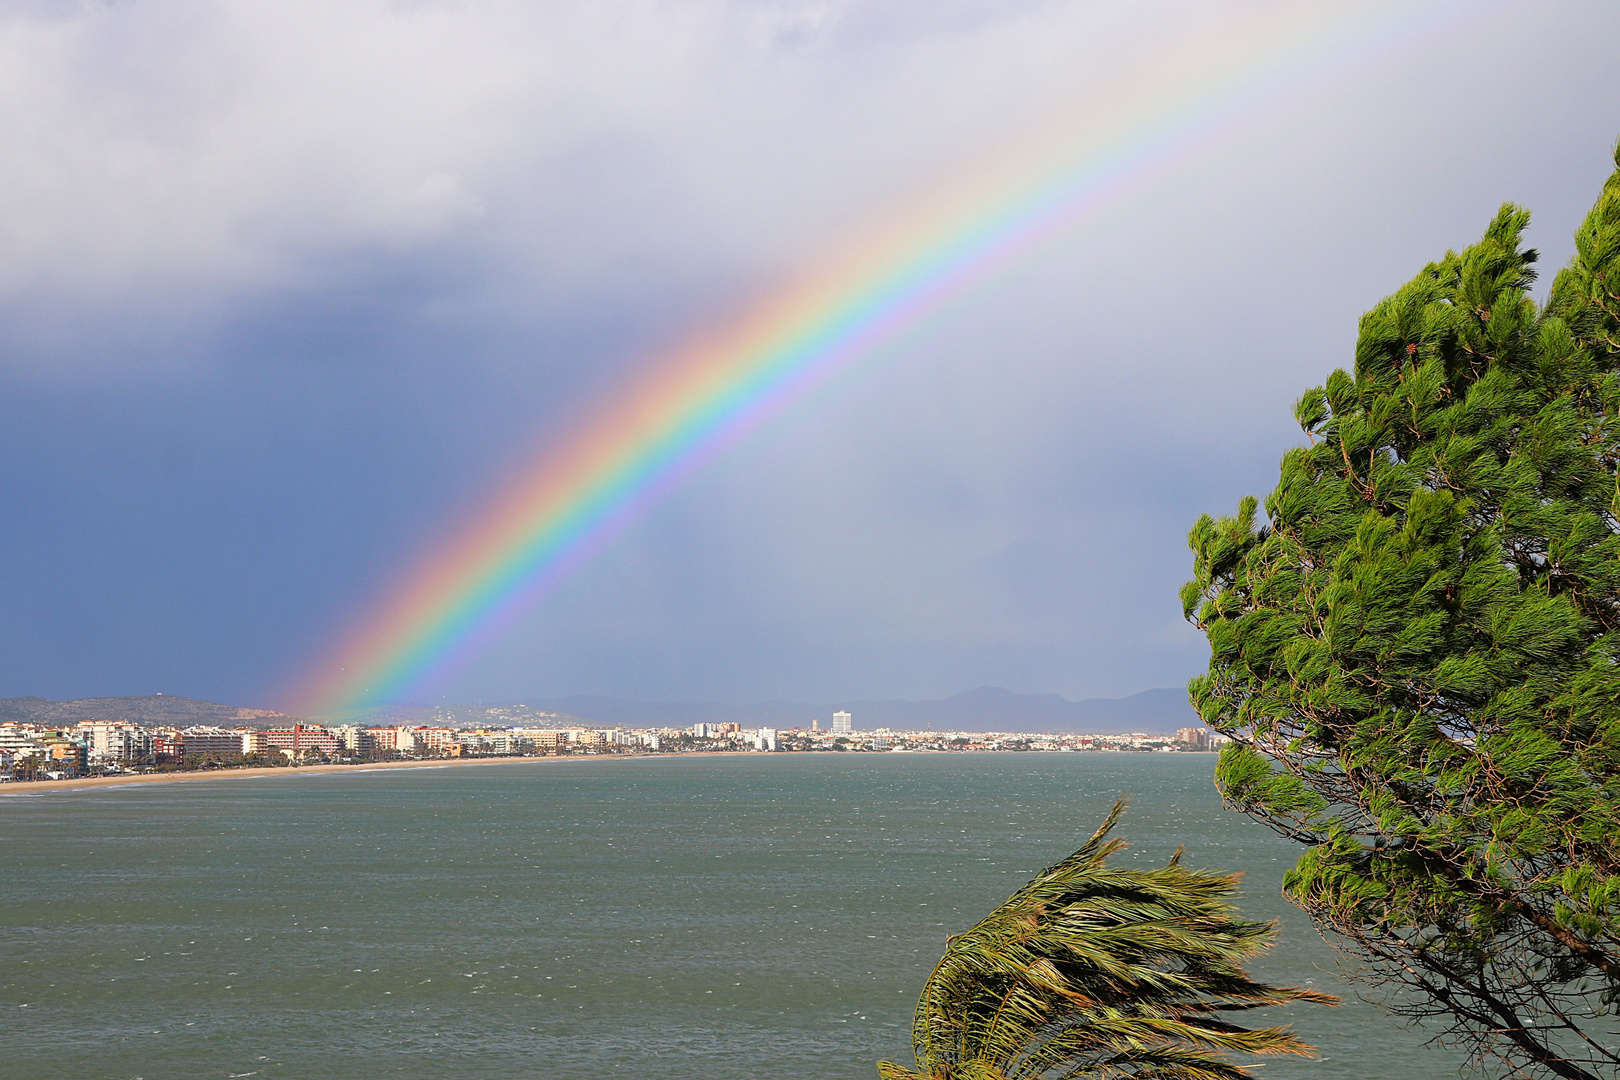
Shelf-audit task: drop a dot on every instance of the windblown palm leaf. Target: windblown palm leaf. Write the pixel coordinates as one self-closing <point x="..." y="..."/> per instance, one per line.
<point x="1095" y="971"/>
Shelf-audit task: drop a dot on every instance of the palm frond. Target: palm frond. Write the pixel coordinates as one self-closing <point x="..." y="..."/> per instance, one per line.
<point x="1096" y="971"/>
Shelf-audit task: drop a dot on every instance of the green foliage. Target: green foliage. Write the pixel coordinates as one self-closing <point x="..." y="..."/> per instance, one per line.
<point x="1095" y="971"/>
<point x="1416" y="652"/>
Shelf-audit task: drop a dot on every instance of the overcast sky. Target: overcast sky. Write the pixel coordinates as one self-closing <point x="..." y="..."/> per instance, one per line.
<point x="287" y="289"/>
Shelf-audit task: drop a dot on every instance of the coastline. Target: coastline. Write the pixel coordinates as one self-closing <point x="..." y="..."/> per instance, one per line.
<point x="32" y="786"/>
<point x="37" y="786"/>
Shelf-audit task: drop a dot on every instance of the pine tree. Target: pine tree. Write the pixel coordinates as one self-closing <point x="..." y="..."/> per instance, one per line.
<point x="1092" y="970"/>
<point x="1417" y="653"/>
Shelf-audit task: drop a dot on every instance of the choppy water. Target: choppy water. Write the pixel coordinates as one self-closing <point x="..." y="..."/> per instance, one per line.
<point x="714" y="917"/>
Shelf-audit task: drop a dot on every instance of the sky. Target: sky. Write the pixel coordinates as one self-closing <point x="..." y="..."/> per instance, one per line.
<point x="289" y="291"/>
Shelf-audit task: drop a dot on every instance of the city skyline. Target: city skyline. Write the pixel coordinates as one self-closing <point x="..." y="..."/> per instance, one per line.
<point x="112" y="751"/>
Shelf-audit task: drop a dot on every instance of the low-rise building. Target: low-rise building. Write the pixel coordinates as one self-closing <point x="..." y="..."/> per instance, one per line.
<point x="68" y="756"/>
<point x="169" y="745"/>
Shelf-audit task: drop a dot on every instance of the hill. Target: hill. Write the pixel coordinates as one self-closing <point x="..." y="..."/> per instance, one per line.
<point x="152" y="709"/>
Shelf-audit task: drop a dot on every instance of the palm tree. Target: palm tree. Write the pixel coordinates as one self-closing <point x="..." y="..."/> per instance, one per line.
<point x="1095" y="971"/>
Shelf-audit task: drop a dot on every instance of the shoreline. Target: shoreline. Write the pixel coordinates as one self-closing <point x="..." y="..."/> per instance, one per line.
<point x="30" y="786"/>
<point x="79" y="783"/>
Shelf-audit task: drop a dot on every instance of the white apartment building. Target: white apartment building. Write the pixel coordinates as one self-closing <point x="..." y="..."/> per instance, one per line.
<point x="765" y="739"/>
<point x="116" y="742"/>
<point x="495" y="742"/>
<point x="14" y="738"/>
<point x="351" y="736"/>
<point x="843" y="723"/>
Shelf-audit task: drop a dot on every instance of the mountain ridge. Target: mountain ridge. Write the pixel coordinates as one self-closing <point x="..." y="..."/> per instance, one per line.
<point x="150" y="709"/>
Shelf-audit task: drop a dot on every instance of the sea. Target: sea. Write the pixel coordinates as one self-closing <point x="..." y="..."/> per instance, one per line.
<point x="702" y="916"/>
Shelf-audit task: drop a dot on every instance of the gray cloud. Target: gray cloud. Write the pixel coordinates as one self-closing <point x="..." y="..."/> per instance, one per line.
<point x="178" y="159"/>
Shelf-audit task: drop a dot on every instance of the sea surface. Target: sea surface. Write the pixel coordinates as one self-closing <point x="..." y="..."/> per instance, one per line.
<point x="714" y="917"/>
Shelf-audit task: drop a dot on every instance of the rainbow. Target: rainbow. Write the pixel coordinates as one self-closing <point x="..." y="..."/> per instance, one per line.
<point x="702" y="399"/>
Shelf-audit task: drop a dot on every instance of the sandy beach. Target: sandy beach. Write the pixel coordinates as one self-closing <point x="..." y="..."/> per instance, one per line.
<point x="37" y="786"/>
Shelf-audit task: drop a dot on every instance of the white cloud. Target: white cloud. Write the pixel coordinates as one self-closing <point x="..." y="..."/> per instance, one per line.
<point x="185" y="153"/>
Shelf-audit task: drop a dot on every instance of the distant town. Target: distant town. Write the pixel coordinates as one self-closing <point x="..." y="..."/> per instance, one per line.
<point x="32" y="752"/>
